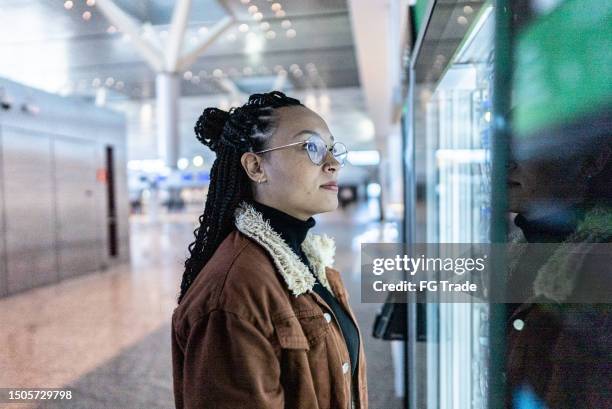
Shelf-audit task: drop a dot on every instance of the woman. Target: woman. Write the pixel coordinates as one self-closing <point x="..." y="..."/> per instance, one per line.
<point x="263" y="319"/>
<point x="559" y="342"/>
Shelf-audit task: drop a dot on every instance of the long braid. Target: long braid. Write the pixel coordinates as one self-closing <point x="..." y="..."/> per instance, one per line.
<point x="229" y="135"/>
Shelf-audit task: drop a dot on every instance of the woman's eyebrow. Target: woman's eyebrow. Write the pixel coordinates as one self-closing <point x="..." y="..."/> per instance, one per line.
<point x="307" y="131"/>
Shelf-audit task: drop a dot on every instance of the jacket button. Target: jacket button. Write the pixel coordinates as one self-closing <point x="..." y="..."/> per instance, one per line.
<point x="327" y="317"/>
<point x="345" y="367"/>
<point x="518" y="324"/>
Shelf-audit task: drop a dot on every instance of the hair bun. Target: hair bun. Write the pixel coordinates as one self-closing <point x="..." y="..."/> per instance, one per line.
<point x="209" y="127"/>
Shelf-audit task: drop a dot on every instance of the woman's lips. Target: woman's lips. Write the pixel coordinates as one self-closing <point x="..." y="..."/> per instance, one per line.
<point x="330" y="186"/>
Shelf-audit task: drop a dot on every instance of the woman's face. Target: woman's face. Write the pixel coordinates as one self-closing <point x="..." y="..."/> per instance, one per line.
<point x="293" y="183"/>
<point x="536" y="187"/>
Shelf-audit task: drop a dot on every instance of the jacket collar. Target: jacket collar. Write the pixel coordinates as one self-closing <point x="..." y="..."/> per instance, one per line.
<point x="320" y="250"/>
<point x="557" y="278"/>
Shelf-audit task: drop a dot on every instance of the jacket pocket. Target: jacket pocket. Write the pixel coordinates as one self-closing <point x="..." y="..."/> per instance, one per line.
<point x="289" y="333"/>
<point x="301" y="330"/>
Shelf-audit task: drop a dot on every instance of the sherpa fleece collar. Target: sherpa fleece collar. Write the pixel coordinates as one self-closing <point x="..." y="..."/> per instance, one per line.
<point x="556" y="279"/>
<point x="320" y="250"/>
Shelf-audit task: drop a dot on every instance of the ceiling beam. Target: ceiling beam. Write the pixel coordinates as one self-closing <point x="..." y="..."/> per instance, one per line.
<point x="127" y="25"/>
<point x="180" y="17"/>
<point x="215" y="31"/>
<point x="377" y="32"/>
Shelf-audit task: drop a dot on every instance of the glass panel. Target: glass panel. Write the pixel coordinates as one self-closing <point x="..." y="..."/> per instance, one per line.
<point x="457" y="128"/>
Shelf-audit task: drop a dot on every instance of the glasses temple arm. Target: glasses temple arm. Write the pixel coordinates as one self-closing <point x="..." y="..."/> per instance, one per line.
<point x="280" y="147"/>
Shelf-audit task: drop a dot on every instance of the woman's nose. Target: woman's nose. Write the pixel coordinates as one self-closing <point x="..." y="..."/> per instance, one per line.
<point x="331" y="163"/>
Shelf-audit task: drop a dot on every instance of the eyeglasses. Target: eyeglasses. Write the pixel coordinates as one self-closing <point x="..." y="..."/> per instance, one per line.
<point x="317" y="150"/>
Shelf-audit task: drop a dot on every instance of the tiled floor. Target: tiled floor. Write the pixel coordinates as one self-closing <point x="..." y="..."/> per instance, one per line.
<point x="106" y="336"/>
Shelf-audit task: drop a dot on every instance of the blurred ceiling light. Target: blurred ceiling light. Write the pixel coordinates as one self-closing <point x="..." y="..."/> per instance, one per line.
<point x="245" y="1"/>
<point x="271" y="35"/>
<point x="188" y="75"/>
<point x="294" y="67"/>
<point x="468" y="10"/>
<point x="254" y="44"/>
<point x="276" y="7"/>
<point x="324" y="103"/>
<point x="363" y="158"/>
<point x="146" y="114"/>
<point x="198" y="161"/>
<point x="203" y="30"/>
<point x="111" y="29"/>
<point x="462" y="20"/>
<point x="182" y="163"/>
<point x="218" y="72"/>
<point x="373" y="189"/>
<point x="286" y="24"/>
<point x="311" y="102"/>
<point x="258" y="16"/>
<point x="100" y="99"/>
<point x="298" y="73"/>
<point x="366" y="128"/>
<point x="264" y="26"/>
<point x="291" y="33"/>
<point x="280" y="14"/>
<point x="87" y="15"/>
<point x="91" y="3"/>
<point x="243" y="28"/>
<point x="96" y="82"/>
<point x="68" y="4"/>
<point x="109" y="81"/>
<point x="253" y="9"/>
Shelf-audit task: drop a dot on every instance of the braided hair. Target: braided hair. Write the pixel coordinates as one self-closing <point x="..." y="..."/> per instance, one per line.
<point x="229" y="134"/>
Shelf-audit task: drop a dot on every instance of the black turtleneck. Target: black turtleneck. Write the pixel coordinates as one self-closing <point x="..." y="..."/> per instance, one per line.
<point x="554" y="227"/>
<point x="293" y="231"/>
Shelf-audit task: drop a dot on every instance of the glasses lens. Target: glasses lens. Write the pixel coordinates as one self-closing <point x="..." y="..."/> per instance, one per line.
<point x="316" y="149"/>
<point x="340" y="152"/>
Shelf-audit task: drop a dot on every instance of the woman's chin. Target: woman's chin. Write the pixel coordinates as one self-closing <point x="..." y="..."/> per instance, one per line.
<point x="327" y="203"/>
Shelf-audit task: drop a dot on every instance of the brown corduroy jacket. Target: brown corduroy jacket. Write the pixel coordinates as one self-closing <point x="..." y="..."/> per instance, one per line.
<point x="250" y="333"/>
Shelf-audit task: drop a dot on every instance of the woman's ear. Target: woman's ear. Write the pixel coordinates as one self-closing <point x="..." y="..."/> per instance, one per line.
<point x="252" y="164"/>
